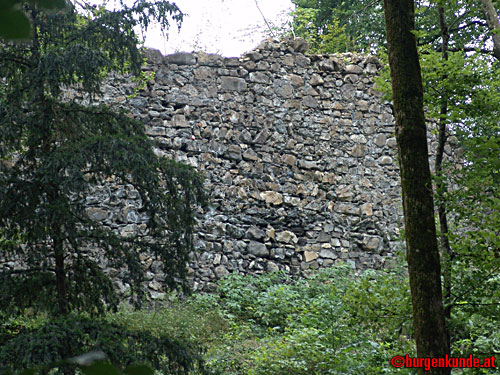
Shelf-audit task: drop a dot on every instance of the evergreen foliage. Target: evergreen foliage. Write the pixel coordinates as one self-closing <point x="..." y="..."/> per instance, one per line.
<point x="330" y="323"/>
<point x="54" y="150"/>
<point x="37" y="345"/>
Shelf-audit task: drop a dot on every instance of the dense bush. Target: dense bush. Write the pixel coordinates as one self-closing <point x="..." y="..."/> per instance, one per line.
<point x="330" y="323"/>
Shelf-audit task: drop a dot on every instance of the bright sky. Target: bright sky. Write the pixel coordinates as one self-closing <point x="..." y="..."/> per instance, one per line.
<point x="227" y="27"/>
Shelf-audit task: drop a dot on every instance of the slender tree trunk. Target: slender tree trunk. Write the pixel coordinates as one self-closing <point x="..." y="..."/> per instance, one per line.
<point x="491" y="16"/>
<point x="66" y="349"/>
<point x="62" y="294"/>
<point x="441" y="183"/>
<point x="421" y="243"/>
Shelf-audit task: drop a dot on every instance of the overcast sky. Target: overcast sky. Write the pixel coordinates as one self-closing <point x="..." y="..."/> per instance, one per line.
<point x="227" y="27"/>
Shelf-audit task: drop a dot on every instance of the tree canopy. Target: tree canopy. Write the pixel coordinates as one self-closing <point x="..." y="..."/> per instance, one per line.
<point x="360" y="23"/>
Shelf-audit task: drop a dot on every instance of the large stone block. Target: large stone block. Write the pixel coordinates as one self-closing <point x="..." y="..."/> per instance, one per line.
<point x="181" y="58"/>
<point x="233" y="84"/>
<point x="258" y="249"/>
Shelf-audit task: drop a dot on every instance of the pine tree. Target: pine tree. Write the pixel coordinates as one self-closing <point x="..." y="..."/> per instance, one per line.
<point x="54" y="151"/>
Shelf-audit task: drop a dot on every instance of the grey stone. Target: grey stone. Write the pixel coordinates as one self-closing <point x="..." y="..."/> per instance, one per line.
<point x="97" y="213"/>
<point x="310" y="102"/>
<point x="297" y="153"/>
<point x="234" y="152"/>
<point x="181" y="58"/>
<point x="221" y="271"/>
<point x="286" y="237"/>
<point x="233" y="84"/>
<point x="254" y="233"/>
<point x="153" y="56"/>
<point x="371" y="243"/>
<point x="180" y="121"/>
<point x="385" y="160"/>
<point x="358" y="151"/>
<point x="254" y="55"/>
<point x="391" y="142"/>
<point x="259" y="77"/>
<point x="323" y="237"/>
<point x="302" y="61"/>
<point x="327" y="253"/>
<point x="296" y="80"/>
<point x="209" y="59"/>
<point x="348" y="91"/>
<point x="354" y="69"/>
<point x="272" y="267"/>
<point x="380" y="140"/>
<point x="299" y="45"/>
<point x="250" y="155"/>
<point x="329" y="65"/>
<point x="272" y="197"/>
<point x="261" y="137"/>
<point x="258" y="249"/>
<point x="283" y="88"/>
<point x="203" y="73"/>
<point x="316" y="80"/>
<point x="289" y="159"/>
<point x="309" y="256"/>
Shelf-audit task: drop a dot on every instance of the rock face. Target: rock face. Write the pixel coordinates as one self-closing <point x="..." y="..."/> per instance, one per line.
<point x="297" y="151"/>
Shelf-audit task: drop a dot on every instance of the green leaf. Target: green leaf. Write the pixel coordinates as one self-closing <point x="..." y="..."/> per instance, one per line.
<point x="138" y="370"/>
<point x="28" y="371"/>
<point x="100" y="368"/>
<point x="14" y="25"/>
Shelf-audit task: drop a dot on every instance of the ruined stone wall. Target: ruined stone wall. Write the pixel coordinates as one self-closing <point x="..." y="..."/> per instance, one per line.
<point x="298" y="153"/>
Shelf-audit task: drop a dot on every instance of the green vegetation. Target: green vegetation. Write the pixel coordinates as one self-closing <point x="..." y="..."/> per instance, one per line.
<point x="54" y="151"/>
<point x="340" y="26"/>
<point x="334" y="322"/>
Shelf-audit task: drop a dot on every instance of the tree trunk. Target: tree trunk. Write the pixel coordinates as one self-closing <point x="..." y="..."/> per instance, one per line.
<point x="421" y="243"/>
<point x="62" y="295"/>
<point x="441" y="183"/>
<point x="66" y="350"/>
<point x="491" y="16"/>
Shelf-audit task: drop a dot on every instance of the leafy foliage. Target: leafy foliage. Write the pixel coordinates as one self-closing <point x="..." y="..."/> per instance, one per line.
<point x="469" y="190"/>
<point x="361" y="24"/>
<point x="334" y="322"/>
<point x="337" y="26"/>
<point x="331" y="323"/>
<point x="15" y="24"/>
<point x="332" y="40"/>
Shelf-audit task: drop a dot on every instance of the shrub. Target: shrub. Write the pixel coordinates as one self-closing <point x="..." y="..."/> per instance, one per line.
<point x="334" y="322"/>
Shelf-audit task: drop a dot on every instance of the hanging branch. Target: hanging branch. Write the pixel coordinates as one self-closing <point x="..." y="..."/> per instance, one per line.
<point x="265" y="20"/>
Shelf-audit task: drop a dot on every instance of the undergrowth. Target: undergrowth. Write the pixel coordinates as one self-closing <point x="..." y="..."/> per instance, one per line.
<point x="334" y="322"/>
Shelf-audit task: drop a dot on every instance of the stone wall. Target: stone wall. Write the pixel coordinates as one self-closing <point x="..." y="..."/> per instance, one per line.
<point x="298" y="153"/>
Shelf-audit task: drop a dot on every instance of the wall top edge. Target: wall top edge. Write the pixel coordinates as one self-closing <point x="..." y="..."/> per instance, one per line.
<point x="269" y="48"/>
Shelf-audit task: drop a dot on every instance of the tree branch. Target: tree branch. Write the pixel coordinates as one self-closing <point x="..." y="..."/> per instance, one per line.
<point x="433" y="38"/>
